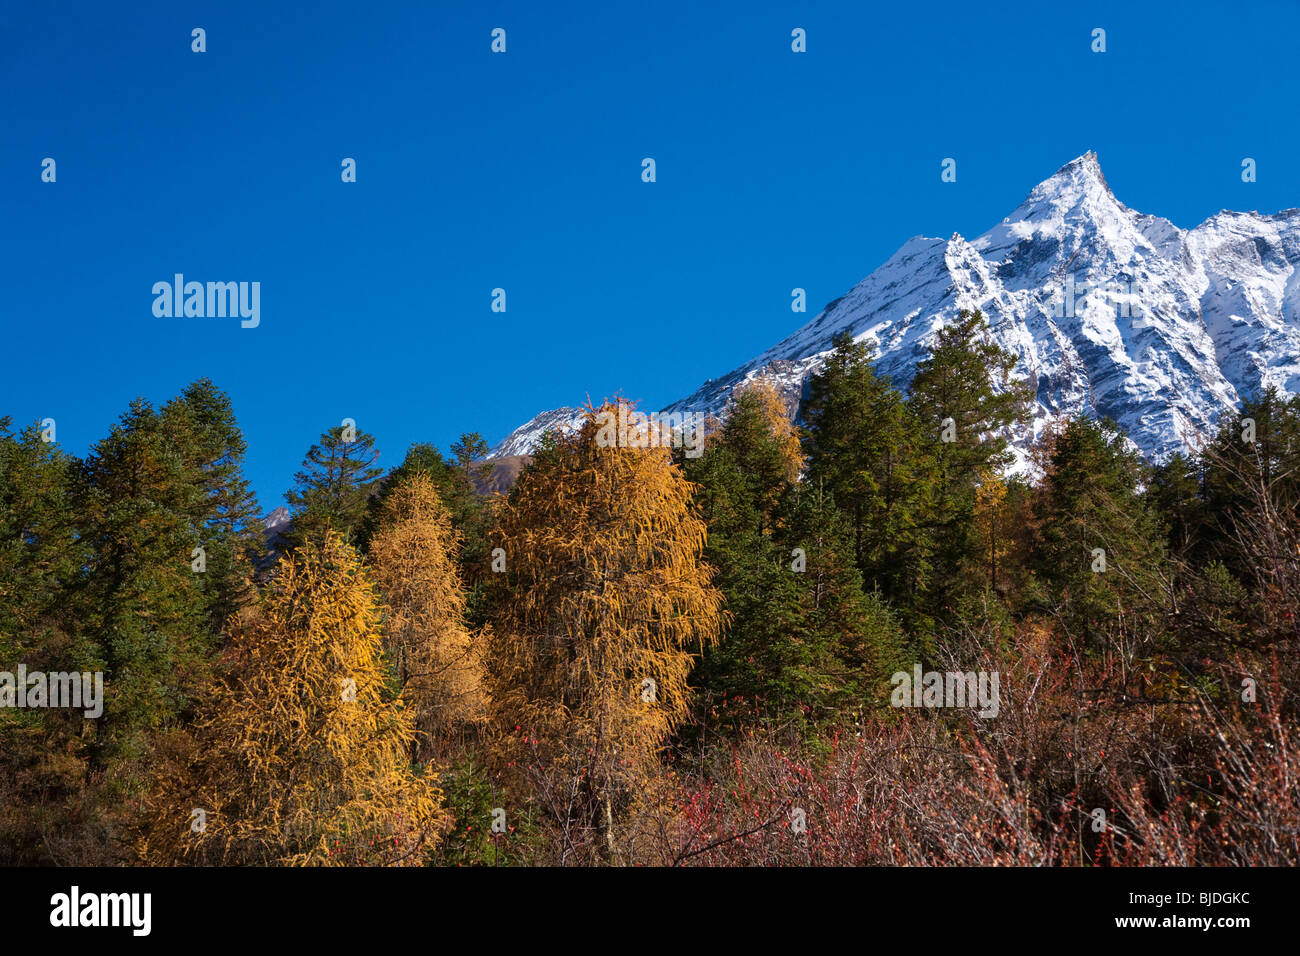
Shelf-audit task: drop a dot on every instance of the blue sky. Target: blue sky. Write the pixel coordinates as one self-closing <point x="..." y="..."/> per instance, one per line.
<point x="523" y="171"/>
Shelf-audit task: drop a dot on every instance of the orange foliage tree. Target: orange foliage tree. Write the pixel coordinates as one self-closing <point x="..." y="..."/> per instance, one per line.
<point x="439" y="665"/>
<point x="604" y="597"/>
<point x="298" y="758"/>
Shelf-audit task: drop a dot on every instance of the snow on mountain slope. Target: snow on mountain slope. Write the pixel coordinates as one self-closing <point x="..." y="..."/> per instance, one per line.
<point x="524" y="439"/>
<point x="1109" y="311"/>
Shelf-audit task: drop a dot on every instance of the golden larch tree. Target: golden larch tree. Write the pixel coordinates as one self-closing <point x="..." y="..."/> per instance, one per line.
<point x="298" y="757"/>
<point x="604" y="598"/>
<point x="439" y="664"/>
<point x="990" y="500"/>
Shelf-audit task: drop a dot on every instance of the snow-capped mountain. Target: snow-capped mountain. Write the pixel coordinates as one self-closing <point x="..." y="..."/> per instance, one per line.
<point x="524" y="439"/>
<point x="1110" y="312"/>
<point x="277" y="522"/>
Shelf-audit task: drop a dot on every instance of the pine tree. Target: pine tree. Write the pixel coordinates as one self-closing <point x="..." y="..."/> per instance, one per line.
<point x="128" y="563"/>
<point x="849" y="640"/>
<point x="1176" y="494"/>
<point x="805" y="643"/>
<point x="1243" y="566"/>
<point x="1257" y="448"/>
<point x="742" y="676"/>
<point x="604" y="598"/>
<point x="226" y="515"/>
<point x="439" y="665"/>
<point x="869" y="453"/>
<point x="334" y="486"/>
<point x="469" y="448"/>
<point x="748" y="570"/>
<point x="40" y="556"/>
<point x="967" y="403"/>
<point x="760" y="436"/>
<point x="1099" y="545"/>
<point x="142" y="602"/>
<point x="297" y="758"/>
<point x="45" y="808"/>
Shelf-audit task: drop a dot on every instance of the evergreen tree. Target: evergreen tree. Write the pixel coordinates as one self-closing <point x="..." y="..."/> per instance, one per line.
<point x="766" y="448"/>
<point x="40" y="556"/>
<point x="871" y="455"/>
<point x="226" y="515"/>
<point x="45" y="816"/>
<point x="143" y="602"/>
<point x="127" y="563"/>
<point x="332" y="491"/>
<point x="469" y="448"/>
<point x="967" y="403"/>
<point x="1256" y="449"/>
<point x="1098" y="545"/>
<point x="848" y="639"/>
<point x="1241" y="572"/>
<point x="1175" y="492"/>
<point x="804" y="643"/>
<point x="734" y="677"/>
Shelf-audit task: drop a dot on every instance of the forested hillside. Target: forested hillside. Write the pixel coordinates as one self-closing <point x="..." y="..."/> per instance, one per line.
<point x="642" y="657"/>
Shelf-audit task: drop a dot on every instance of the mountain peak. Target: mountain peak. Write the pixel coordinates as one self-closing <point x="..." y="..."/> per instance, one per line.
<point x="1089" y="160"/>
<point x="1079" y="178"/>
<point x="1108" y="312"/>
<point x="277" y="520"/>
<point x="1073" y="201"/>
<point x="1086" y="165"/>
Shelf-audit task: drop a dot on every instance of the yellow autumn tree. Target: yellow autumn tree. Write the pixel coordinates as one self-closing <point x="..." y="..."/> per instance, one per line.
<point x="604" y="599"/>
<point x="990" y="498"/>
<point x="439" y="664"/>
<point x="298" y="758"/>
<point x="772" y="412"/>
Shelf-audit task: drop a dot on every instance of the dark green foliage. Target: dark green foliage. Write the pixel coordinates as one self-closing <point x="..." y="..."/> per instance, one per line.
<point x="226" y="512"/>
<point x="849" y="636"/>
<point x="963" y="391"/>
<point x="333" y="489"/>
<point x="1099" y="545"/>
<point x="805" y="644"/>
<point x="163" y="484"/>
<point x="892" y="547"/>
<point x="142" y="603"/>
<point x="766" y="457"/>
<point x="43" y="752"/>
<point x="870" y="453"/>
<point x="1231" y="515"/>
<point x="469" y="448"/>
<point x="1237" y="468"/>
<point x="98" y="573"/>
<point x="40" y="557"/>
<point x="1175" y="493"/>
<point x="471" y="798"/>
